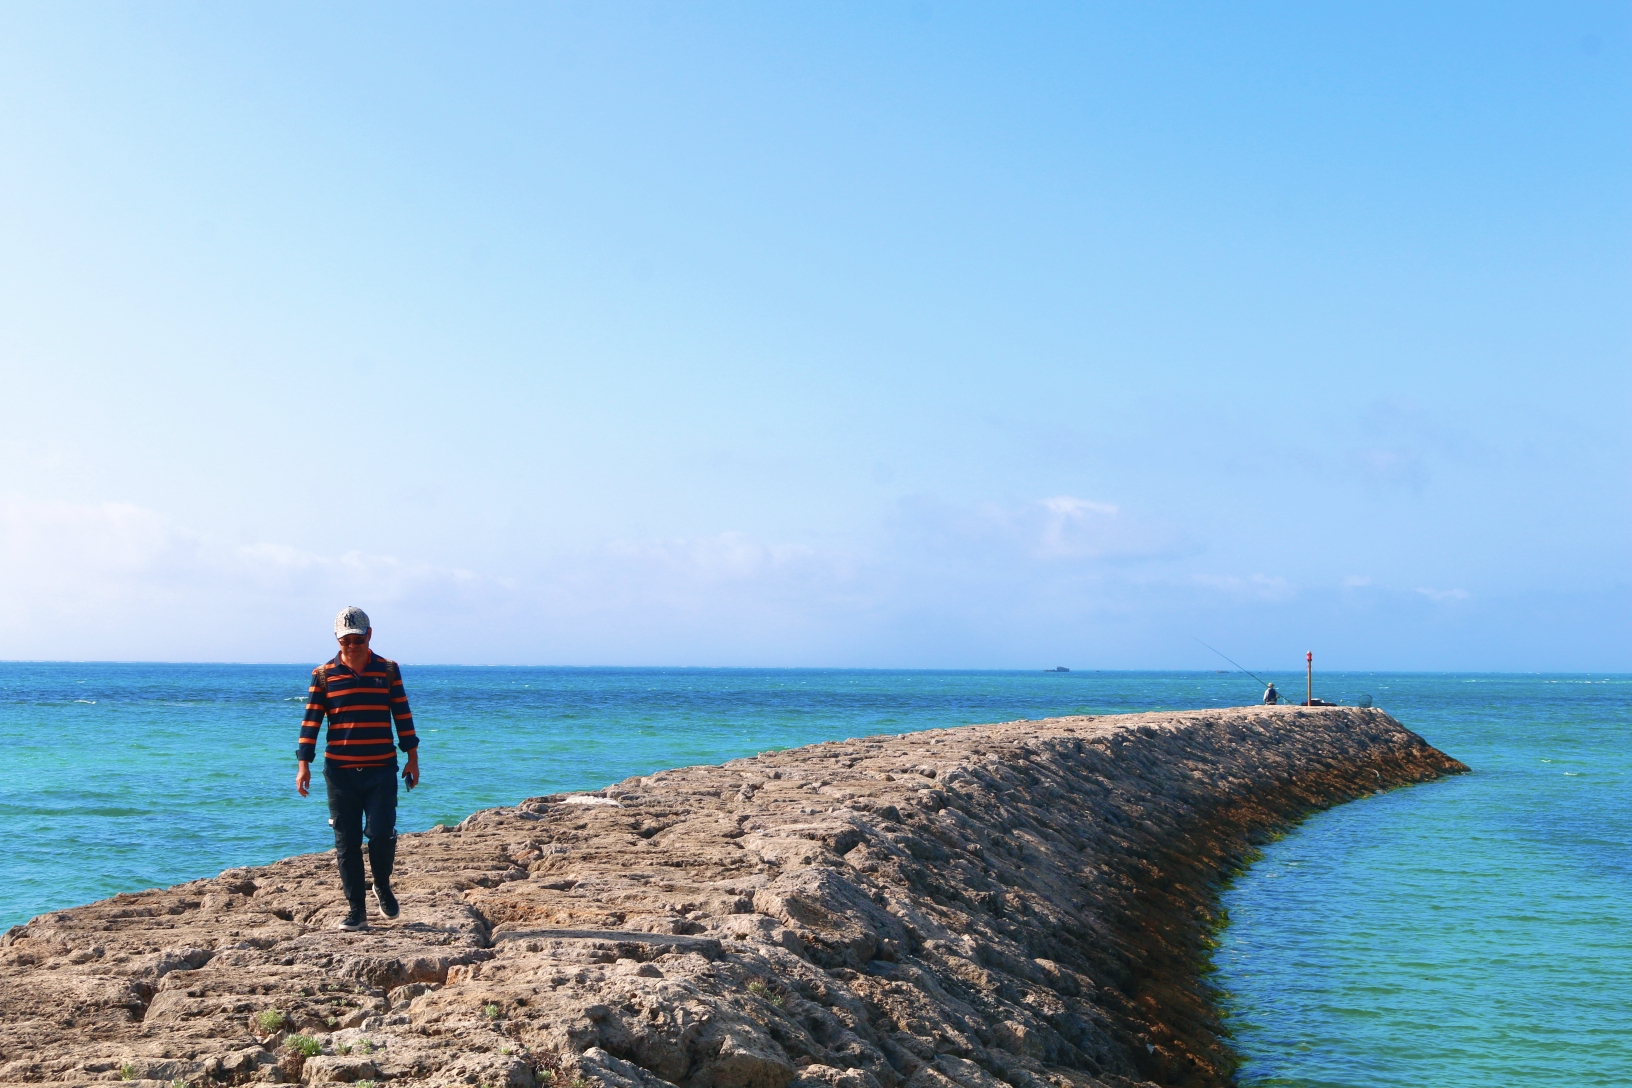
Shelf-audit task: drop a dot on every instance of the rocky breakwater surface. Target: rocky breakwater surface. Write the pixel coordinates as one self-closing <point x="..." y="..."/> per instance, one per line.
<point x="1025" y="904"/>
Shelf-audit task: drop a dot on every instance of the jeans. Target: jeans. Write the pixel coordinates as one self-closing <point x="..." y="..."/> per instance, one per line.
<point x="354" y="795"/>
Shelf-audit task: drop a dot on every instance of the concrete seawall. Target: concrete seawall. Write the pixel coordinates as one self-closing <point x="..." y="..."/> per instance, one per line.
<point x="1025" y="904"/>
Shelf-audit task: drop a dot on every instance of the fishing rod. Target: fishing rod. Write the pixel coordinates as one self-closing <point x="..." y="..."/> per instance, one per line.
<point x="1220" y="653"/>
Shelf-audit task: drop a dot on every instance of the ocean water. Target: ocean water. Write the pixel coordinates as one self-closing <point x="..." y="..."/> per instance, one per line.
<point x="1473" y="931"/>
<point x="125" y="776"/>
<point x="1467" y="932"/>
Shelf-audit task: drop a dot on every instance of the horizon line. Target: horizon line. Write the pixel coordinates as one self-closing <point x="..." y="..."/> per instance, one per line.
<point x="1052" y="670"/>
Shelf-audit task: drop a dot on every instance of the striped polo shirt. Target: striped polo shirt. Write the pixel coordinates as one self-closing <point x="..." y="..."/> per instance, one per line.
<point x="360" y="708"/>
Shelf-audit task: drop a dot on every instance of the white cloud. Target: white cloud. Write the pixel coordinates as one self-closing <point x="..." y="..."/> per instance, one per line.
<point x="730" y="584"/>
<point x="1403" y="444"/>
<point x="942" y="584"/>
<point x="1060" y="529"/>
<point x="114" y="579"/>
<point x="1261" y="587"/>
<point x="726" y="557"/>
<point x="1394" y="467"/>
<point x="1057" y="580"/>
<point x="117" y="581"/>
<point x="1079" y="529"/>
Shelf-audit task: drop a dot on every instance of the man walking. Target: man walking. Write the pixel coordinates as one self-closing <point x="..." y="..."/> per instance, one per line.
<point x="361" y="692"/>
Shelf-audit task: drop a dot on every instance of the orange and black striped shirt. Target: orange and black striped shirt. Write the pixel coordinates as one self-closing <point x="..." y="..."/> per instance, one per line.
<point x="360" y="708"/>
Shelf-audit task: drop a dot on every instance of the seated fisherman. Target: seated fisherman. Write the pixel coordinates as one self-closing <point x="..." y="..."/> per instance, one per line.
<point x="1271" y="696"/>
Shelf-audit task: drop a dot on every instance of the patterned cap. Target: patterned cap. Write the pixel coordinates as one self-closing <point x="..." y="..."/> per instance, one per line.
<point x="351" y="621"/>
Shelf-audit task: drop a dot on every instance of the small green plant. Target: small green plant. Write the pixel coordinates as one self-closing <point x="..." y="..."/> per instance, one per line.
<point x="506" y="1051"/>
<point x="759" y="989"/>
<point x="178" y="1083"/>
<point x="492" y="1012"/>
<point x="579" y="1082"/>
<point x="332" y="1021"/>
<point x="366" y="1046"/>
<point x="365" y="1084"/>
<point x="547" y="1076"/>
<point x="127" y="1072"/>
<point x="342" y="1049"/>
<point x="304" y="1045"/>
<point x="270" y="1020"/>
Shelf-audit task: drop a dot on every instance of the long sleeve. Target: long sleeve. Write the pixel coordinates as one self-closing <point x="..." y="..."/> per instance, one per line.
<point x="317" y="705"/>
<point x="404" y="717"/>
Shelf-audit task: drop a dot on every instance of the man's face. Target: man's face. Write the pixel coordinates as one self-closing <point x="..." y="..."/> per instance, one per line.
<point x="352" y="645"/>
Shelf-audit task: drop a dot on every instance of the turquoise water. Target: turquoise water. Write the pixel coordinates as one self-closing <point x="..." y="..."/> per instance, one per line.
<point x="1473" y="931"/>
<point x="1467" y="932"/>
<point x="120" y="777"/>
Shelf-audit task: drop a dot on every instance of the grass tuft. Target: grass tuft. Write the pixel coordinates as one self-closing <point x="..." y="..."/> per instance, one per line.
<point x="270" y="1020"/>
<point x="492" y="1012"/>
<point x="127" y="1072"/>
<point x="760" y="990"/>
<point x="304" y="1045"/>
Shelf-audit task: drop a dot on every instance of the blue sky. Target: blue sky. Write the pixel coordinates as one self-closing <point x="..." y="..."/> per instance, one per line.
<point x="823" y="334"/>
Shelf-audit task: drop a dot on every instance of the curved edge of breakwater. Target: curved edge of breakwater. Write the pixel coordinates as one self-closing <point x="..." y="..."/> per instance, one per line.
<point x="1021" y="904"/>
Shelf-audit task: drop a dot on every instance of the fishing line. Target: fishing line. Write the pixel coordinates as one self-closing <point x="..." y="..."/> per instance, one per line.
<point x="1220" y="653"/>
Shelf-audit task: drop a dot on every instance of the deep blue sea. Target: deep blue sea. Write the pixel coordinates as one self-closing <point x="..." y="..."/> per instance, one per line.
<point x="1468" y="932"/>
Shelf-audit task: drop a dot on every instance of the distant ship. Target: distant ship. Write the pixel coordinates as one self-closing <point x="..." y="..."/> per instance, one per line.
<point x="1058" y="668"/>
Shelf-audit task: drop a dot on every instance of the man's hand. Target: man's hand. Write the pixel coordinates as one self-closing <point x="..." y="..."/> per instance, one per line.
<point x="410" y="773"/>
<point x="303" y="778"/>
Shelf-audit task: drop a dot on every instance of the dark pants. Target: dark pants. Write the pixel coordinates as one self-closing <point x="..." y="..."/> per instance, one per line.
<point x="354" y="795"/>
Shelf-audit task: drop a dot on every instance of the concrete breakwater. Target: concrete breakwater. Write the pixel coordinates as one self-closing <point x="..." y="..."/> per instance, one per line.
<point x="1025" y="904"/>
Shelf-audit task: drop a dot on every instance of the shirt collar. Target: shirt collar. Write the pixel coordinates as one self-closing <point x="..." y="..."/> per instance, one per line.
<point x="367" y="667"/>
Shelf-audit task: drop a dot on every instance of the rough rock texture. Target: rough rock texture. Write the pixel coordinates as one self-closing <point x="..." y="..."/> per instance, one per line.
<point x="1026" y="904"/>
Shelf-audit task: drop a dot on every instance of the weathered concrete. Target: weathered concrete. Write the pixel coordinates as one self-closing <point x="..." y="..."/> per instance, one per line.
<point x="1025" y="904"/>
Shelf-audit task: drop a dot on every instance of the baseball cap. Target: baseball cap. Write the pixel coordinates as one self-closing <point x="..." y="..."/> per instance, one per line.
<point x="351" y="621"/>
